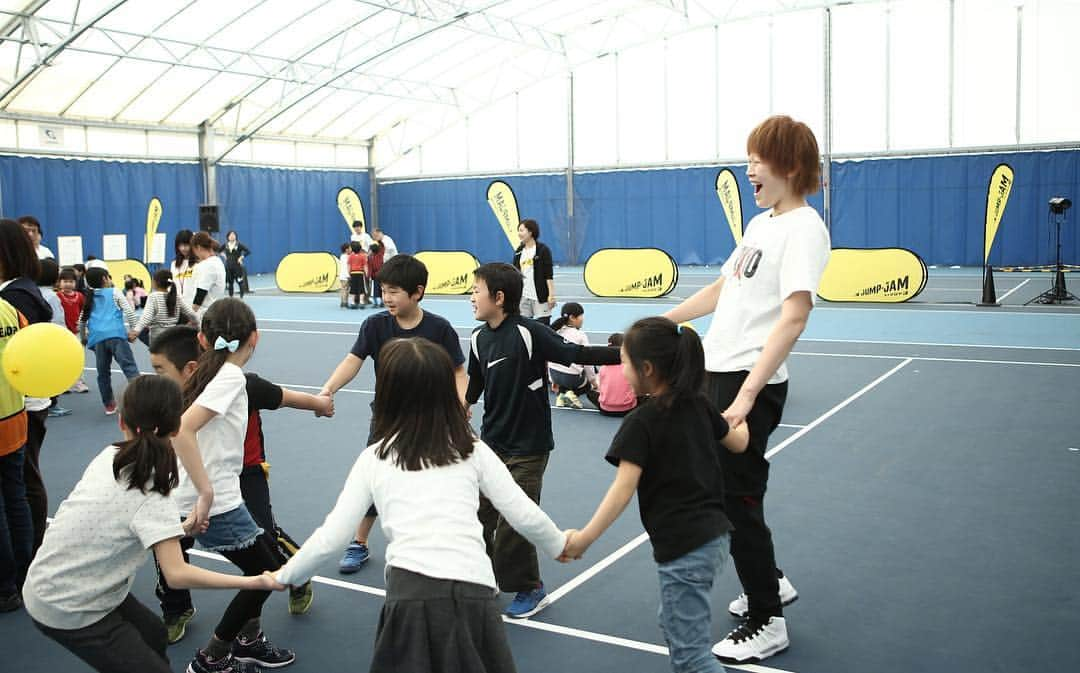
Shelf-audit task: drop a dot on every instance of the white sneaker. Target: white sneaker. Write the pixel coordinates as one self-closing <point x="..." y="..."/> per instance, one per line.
<point x="740" y="607"/>
<point x="753" y="642"/>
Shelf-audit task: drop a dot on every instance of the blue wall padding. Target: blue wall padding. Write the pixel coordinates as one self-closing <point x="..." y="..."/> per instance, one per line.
<point x="454" y="215"/>
<point x="936" y="207"/>
<point x="932" y="205"/>
<point x="74" y="197"/>
<point x="276" y="211"/>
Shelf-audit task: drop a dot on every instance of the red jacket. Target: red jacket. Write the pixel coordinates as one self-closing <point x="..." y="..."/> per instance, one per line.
<point x="73" y="306"/>
<point x="357" y="262"/>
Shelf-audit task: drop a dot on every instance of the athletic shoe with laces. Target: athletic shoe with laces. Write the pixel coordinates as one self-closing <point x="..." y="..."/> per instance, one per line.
<point x="753" y="641"/>
<point x="176" y="625"/>
<point x="740" y="607"/>
<point x="56" y="412"/>
<point x="573" y="399"/>
<point x="227" y="664"/>
<point x="300" y="599"/>
<point x="527" y="603"/>
<point x="262" y="653"/>
<point x="79" y="387"/>
<point x="110" y="408"/>
<point x="356" y="555"/>
<point x="560" y="400"/>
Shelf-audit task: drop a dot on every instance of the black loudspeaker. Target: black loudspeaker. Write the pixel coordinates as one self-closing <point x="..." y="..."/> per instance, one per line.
<point x="208" y="218"/>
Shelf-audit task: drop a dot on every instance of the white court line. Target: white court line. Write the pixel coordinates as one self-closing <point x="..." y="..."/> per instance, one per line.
<point x="595" y="569"/>
<point x="1003" y="297"/>
<point x="527" y="623"/>
<point x="824" y="417"/>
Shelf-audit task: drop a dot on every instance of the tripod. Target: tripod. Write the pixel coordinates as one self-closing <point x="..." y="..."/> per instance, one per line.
<point x="1057" y="294"/>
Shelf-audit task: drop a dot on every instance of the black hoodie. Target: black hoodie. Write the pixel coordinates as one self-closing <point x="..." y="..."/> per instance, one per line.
<point x="24" y="295"/>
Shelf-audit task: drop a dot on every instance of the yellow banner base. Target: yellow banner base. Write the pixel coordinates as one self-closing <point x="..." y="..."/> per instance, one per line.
<point x="631" y="272"/>
<point x="880" y="275"/>
<point x="449" y="272"/>
<point x="307" y="272"/>
<point x="118" y="268"/>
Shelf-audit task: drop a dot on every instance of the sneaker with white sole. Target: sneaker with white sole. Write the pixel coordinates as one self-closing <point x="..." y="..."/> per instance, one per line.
<point x="740" y="607"/>
<point x="753" y="641"/>
<point x="527" y="603"/>
<point x="560" y="400"/>
<point x="573" y="400"/>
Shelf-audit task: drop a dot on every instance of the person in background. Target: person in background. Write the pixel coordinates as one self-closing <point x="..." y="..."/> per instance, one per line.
<point x="386" y="242"/>
<point x="95" y="263"/>
<point x="358" y="275"/>
<point x="235" y="252"/>
<point x="72" y="301"/>
<point x="19" y="268"/>
<point x="533" y="259"/>
<point x="183" y="264"/>
<point x="208" y="279"/>
<point x="80" y="281"/>
<point x="573" y="379"/>
<point x="615" y="396"/>
<point x="164" y="309"/>
<point x="33" y="229"/>
<point x="16" y="526"/>
<point x="343" y="274"/>
<point x="359" y="235"/>
<point x="375" y="264"/>
<point x="47" y="279"/>
<point x="107" y="318"/>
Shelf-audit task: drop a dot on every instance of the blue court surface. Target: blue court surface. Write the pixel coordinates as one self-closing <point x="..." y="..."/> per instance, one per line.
<point x="923" y="497"/>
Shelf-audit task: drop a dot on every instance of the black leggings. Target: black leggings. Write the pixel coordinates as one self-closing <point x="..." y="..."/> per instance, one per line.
<point x="247" y="605"/>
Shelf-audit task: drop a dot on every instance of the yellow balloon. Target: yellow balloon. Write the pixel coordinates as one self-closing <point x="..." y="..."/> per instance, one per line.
<point x="43" y="360"/>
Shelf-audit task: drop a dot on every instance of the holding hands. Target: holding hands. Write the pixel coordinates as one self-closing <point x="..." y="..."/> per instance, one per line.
<point x="326" y="404"/>
<point x="577" y="543"/>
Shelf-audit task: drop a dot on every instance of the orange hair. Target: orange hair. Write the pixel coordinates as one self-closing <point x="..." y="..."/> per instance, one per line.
<point x="790" y="150"/>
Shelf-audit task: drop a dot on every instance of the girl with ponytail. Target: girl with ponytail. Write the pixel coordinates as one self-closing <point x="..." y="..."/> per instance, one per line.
<point x="667" y="450"/>
<point x="572" y="380"/>
<point x="164" y="308"/>
<point x="77" y="589"/>
<point x="210" y="446"/>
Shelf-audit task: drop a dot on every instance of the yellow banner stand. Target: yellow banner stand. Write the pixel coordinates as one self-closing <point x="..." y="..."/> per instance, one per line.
<point x="997" y="197"/>
<point x="118" y="268"/>
<point x="631" y="272"/>
<point x="153" y="218"/>
<point x="880" y="275"/>
<point x="352" y="208"/>
<point x="504" y="204"/>
<point x="449" y="272"/>
<point x="727" y="189"/>
<point x="307" y="272"/>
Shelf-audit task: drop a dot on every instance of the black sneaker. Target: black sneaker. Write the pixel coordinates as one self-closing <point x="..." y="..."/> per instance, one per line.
<point x="262" y="652"/>
<point x="227" y="664"/>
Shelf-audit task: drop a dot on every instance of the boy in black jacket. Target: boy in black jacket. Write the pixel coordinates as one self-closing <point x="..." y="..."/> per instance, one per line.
<point x="508" y="358"/>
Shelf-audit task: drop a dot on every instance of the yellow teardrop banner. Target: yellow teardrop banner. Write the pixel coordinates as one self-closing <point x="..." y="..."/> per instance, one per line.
<point x="997" y="196"/>
<point x="307" y="272"/>
<point x="153" y="218"/>
<point x="449" y="272"/>
<point x="504" y="204"/>
<point x="880" y="275"/>
<point x="631" y="272"/>
<point x="727" y="188"/>
<point x="351" y="207"/>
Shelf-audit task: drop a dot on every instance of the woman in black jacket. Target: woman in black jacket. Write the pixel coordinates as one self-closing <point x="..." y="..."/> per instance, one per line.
<point x="235" y="251"/>
<point x="533" y="259"/>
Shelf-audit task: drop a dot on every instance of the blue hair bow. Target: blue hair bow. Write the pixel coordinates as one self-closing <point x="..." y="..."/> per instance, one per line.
<point x="222" y="344"/>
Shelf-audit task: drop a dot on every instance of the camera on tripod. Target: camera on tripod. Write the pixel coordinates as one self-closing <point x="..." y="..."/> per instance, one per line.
<point x="1059" y="204"/>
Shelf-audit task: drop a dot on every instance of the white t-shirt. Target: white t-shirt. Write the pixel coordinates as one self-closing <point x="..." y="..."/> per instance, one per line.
<point x="209" y="275"/>
<point x="389" y="246"/>
<point x="43" y="252"/>
<point x="221" y="442"/>
<point x="343" y="266"/>
<point x="94" y="547"/>
<point x="181" y="275"/>
<point x="528" y="257"/>
<point x="428" y="516"/>
<point x="364" y="239"/>
<point x="778" y="256"/>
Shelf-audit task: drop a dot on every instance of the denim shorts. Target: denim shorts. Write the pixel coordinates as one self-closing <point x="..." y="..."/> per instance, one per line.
<point x="230" y="531"/>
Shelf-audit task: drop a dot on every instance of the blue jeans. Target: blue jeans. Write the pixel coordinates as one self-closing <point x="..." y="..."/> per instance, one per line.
<point x="107" y="351"/>
<point x="685" y="609"/>
<point x="16" y="530"/>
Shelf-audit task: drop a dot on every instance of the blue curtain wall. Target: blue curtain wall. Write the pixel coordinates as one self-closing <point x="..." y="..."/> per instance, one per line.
<point x="934" y="206"/>
<point x="86" y="198"/>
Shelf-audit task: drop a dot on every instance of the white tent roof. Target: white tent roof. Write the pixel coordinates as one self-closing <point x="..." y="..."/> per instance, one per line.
<point x="314" y="69"/>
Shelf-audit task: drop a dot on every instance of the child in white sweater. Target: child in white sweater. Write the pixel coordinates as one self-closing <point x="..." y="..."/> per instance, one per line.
<point x="440" y="611"/>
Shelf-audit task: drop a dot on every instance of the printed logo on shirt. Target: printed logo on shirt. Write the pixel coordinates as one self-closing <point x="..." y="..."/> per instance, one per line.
<point x="749" y="261"/>
<point x="525" y="263"/>
<point x="495" y="362"/>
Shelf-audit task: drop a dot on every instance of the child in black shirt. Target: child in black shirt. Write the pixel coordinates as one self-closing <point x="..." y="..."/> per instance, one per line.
<point x="508" y="360"/>
<point x="668" y="451"/>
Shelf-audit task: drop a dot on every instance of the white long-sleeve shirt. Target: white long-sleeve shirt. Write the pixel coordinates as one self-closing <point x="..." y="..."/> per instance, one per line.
<point x="156" y="313"/>
<point x="574" y="336"/>
<point x="428" y="516"/>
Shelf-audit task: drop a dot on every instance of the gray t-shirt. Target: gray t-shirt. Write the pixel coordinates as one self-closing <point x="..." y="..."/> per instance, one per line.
<point x="94" y="547"/>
